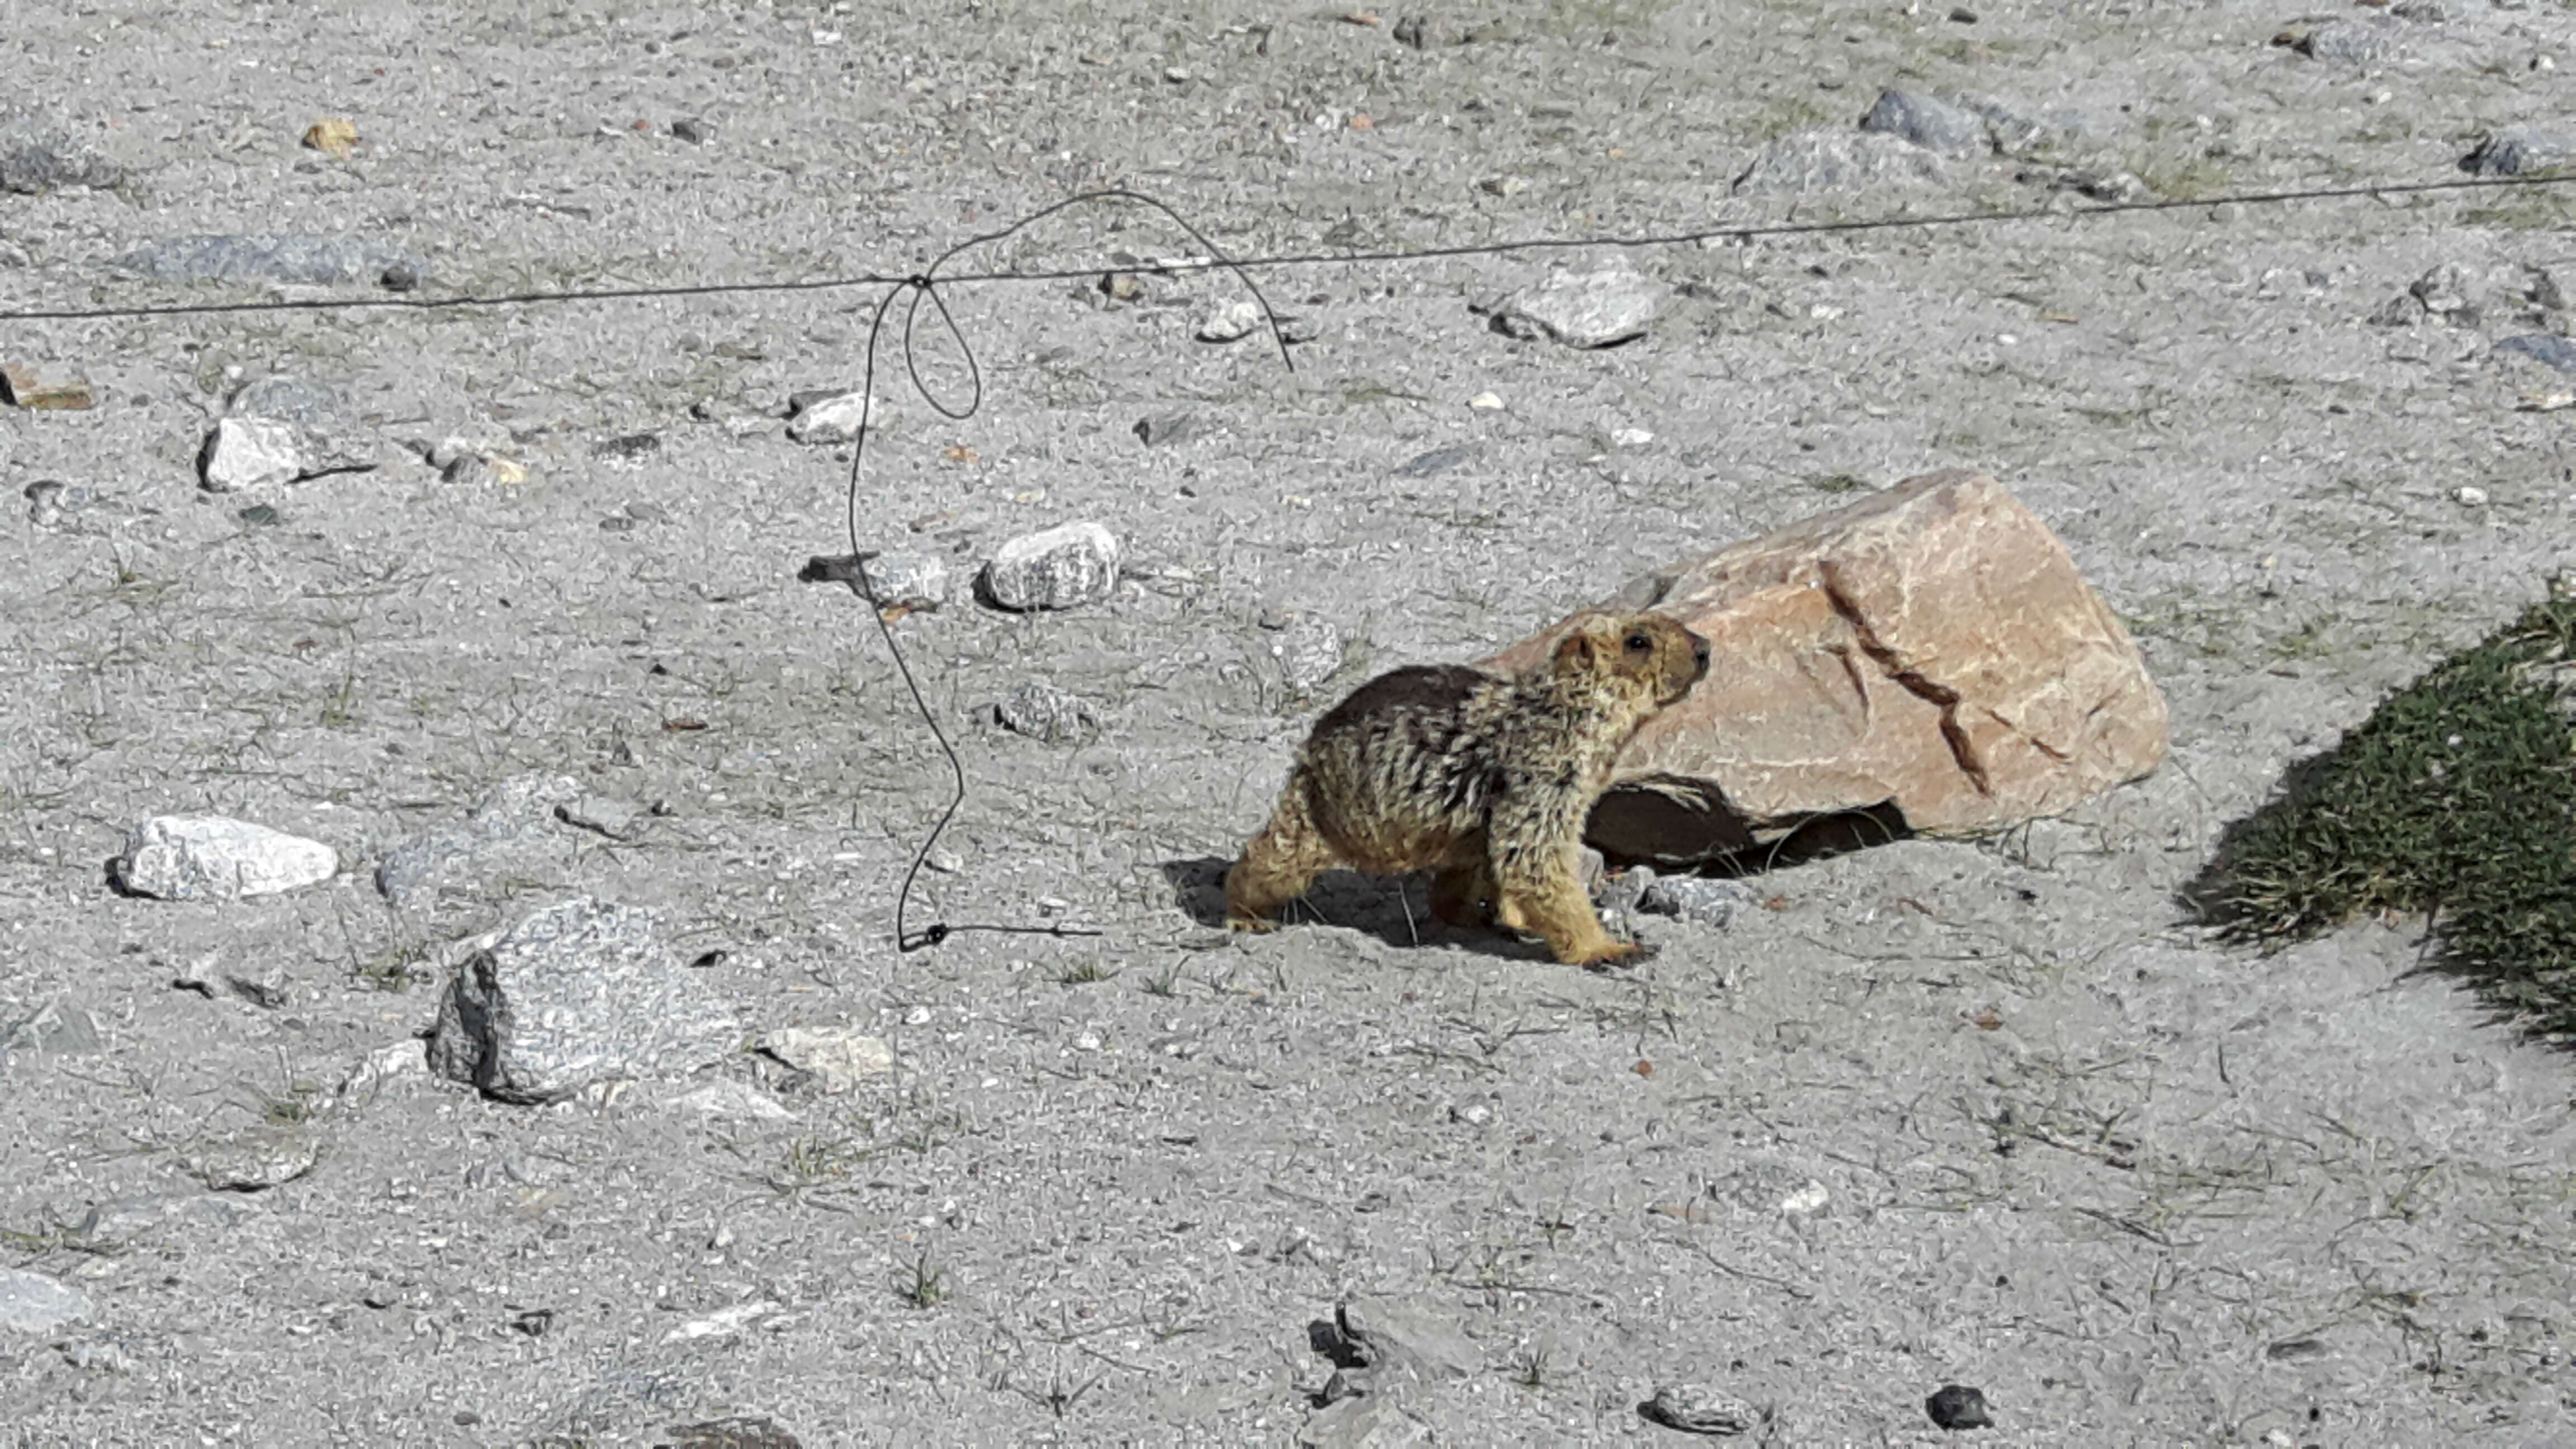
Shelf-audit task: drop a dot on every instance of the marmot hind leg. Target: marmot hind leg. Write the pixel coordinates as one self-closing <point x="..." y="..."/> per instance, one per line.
<point x="1462" y="887"/>
<point x="1278" y="865"/>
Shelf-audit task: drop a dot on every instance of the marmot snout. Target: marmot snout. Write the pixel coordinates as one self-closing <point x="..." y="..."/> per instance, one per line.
<point x="1485" y="780"/>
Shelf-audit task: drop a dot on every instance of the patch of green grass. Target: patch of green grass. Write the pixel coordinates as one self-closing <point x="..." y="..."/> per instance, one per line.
<point x="2184" y="179"/>
<point x="1839" y="483"/>
<point x="1089" y="971"/>
<point x="2456" y="799"/>
<point x="924" y="1284"/>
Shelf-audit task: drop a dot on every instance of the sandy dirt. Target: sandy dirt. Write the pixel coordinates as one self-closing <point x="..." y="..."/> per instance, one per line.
<point x="1989" y="1114"/>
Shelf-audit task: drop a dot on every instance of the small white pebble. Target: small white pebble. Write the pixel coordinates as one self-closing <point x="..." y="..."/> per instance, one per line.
<point x="1631" y="438"/>
<point x="2471" y="496"/>
<point x="1486" y="402"/>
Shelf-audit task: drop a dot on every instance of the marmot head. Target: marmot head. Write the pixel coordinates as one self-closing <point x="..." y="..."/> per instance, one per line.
<point x="1652" y="652"/>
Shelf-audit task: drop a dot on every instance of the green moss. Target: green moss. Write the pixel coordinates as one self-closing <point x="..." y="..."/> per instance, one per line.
<point x="2457" y="800"/>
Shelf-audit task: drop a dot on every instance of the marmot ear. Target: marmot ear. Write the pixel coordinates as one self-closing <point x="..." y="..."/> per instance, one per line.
<point x="1574" y="651"/>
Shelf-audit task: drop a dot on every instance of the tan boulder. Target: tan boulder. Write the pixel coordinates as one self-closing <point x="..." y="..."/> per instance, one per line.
<point x="1928" y="655"/>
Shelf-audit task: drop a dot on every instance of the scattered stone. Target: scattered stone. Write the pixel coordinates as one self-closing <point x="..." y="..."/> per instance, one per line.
<point x="2015" y="132"/>
<point x="390" y="1062"/>
<point x="247" y="453"/>
<point x="1043" y="712"/>
<point x="2521" y="151"/>
<point x="576" y="994"/>
<point x="694" y="130"/>
<point x="311" y="260"/>
<point x="724" y="1322"/>
<point x="1956" y="1406"/>
<point x="252" y="1159"/>
<point x="330" y="438"/>
<point x="1934" y="124"/>
<point x="333" y="136"/>
<point x="36" y="157"/>
<point x="119" y="1221"/>
<point x="631" y="448"/>
<point x="1060" y="568"/>
<point x="52" y="1030"/>
<point x="601" y="814"/>
<point x="1609" y="304"/>
<point x="727" y="1098"/>
<point x="2556" y="351"/>
<point x="34" y="1303"/>
<point x="21" y="386"/>
<point x="1931" y="650"/>
<point x="1156" y="432"/>
<point x="1705" y="899"/>
<point x="1122" y="287"/>
<point x="1309" y="652"/>
<point x="1700" y="1409"/>
<point x="2469" y="495"/>
<point x="2344" y="42"/>
<point x="841" y="1056"/>
<point x="50" y="501"/>
<point x="210" y="857"/>
<point x="827" y="417"/>
<point x="1230" y="322"/>
<point x="907" y="580"/>
<point x="502" y="816"/>
<point x="266" y="990"/>
<point x="1836" y="161"/>
<point x="1486" y="402"/>
<point x="743" y="1431"/>
<point x="1387" y="1334"/>
<point x="1437" y="460"/>
<point x="400" y="277"/>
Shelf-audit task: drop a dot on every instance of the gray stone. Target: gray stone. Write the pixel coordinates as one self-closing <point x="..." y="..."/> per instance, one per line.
<point x="311" y="260"/>
<point x="1837" y="161"/>
<point x="34" y="1303"/>
<point x="119" y="1221"/>
<point x="727" y="1098"/>
<point x="741" y="1431"/>
<point x="266" y="989"/>
<point x="2556" y="351"/>
<point x="1437" y="460"/>
<point x="616" y="819"/>
<point x="387" y="1063"/>
<point x="576" y="994"/>
<point x="831" y="417"/>
<point x="1929" y="122"/>
<point x="246" y="453"/>
<point x="252" y="1159"/>
<point x="909" y="580"/>
<point x="2347" y="42"/>
<point x="1043" y="712"/>
<point x="291" y="400"/>
<point x="38" y="155"/>
<point x="1309" y="652"/>
<point x="842" y="1056"/>
<point x="1386" y="1334"/>
<point x="52" y="1030"/>
<point x="2521" y="151"/>
<point x="1608" y="304"/>
<point x="1700" y="1409"/>
<point x="1705" y="899"/>
<point x="501" y="816"/>
<point x="210" y="857"/>
<point x="2019" y="133"/>
<point x="1060" y="568"/>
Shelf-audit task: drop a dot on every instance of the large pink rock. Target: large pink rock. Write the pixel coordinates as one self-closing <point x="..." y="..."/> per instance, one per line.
<point x="1928" y="654"/>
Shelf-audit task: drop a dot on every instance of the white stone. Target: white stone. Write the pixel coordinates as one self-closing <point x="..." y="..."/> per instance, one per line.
<point x="1611" y="303"/>
<point x="831" y="419"/>
<point x="210" y="857"/>
<point x="34" y="1303"/>
<point x="246" y="453"/>
<point x="1486" y="402"/>
<point x="1059" y="568"/>
<point x="1230" y="322"/>
<point x="2471" y="496"/>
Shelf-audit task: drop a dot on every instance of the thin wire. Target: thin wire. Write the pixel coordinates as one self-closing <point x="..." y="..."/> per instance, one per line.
<point x="925" y="285"/>
<point x="1243" y="265"/>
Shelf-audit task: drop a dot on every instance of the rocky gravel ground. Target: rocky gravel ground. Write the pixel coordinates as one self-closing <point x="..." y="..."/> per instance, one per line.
<point x="498" y="610"/>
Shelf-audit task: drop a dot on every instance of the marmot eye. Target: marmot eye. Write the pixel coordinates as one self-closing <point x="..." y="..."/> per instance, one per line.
<point x="1639" y="643"/>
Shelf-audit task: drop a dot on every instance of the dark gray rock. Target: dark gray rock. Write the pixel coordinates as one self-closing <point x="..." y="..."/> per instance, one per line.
<point x="1043" y="712"/>
<point x="1806" y="161"/>
<point x="1956" y="1406"/>
<point x="1929" y="122"/>
<point x="1437" y="460"/>
<point x="2347" y="42"/>
<point x="576" y="994"/>
<point x="2556" y="351"/>
<point x="1060" y="568"/>
<point x="310" y="260"/>
<point x="2521" y="151"/>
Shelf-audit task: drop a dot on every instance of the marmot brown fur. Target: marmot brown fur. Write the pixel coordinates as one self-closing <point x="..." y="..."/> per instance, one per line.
<point x="1487" y="781"/>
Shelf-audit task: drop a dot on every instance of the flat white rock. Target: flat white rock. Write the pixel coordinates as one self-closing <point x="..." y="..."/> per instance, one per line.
<point x="215" y="858"/>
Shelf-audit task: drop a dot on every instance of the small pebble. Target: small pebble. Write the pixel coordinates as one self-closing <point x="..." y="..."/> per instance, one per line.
<point x="1956" y="1406"/>
<point x="2470" y="496"/>
<point x="1699" y="1409"/>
